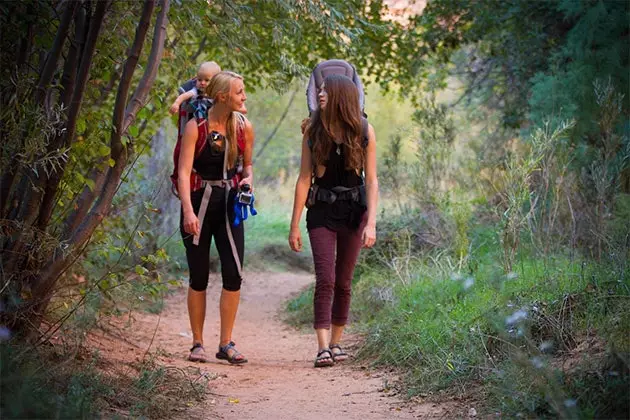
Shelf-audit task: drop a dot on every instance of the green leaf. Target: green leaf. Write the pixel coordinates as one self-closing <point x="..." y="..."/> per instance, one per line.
<point x="111" y="162"/>
<point x="80" y="128"/>
<point x="143" y="114"/>
<point x="104" y="150"/>
<point x="140" y="270"/>
<point x="134" y="130"/>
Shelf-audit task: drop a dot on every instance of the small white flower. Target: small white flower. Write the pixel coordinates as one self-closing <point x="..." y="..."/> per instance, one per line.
<point x="5" y="333"/>
<point x="546" y="346"/>
<point x="537" y="362"/>
<point x="517" y="316"/>
<point x="456" y="276"/>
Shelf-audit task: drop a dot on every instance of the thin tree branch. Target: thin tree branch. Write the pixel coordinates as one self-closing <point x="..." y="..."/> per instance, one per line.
<point x="141" y="93"/>
<point x="48" y="70"/>
<point x="275" y="129"/>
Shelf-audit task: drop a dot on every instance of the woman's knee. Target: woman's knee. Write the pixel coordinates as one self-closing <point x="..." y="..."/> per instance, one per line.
<point x="324" y="288"/>
<point x="232" y="283"/>
<point x="198" y="284"/>
<point x="343" y="289"/>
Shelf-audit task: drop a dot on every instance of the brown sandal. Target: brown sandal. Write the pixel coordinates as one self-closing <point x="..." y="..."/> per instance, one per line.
<point x="339" y="356"/>
<point x="320" y="360"/>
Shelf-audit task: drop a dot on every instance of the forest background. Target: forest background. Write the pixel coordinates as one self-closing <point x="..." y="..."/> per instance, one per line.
<point x="503" y="154"/>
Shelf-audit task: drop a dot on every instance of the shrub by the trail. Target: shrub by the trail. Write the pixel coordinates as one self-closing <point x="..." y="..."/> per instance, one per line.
<point x="47" y="382"/>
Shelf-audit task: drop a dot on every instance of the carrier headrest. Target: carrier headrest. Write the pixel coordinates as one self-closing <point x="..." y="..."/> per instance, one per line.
<point x="332" y="67"/>
<point x="326" y="68"/>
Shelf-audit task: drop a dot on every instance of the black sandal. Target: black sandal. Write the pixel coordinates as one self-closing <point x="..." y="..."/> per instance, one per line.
<point x="320" y="360"/>
<point x="233" y="359"/>
<point x="342" y="355"/>
<point x="197" y="353"/>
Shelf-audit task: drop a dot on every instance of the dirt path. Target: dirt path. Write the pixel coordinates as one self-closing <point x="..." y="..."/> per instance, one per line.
<point x="279" y="382"/>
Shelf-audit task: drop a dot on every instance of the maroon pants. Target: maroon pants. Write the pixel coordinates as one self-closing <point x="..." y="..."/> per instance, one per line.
<point x="333" y="273"/>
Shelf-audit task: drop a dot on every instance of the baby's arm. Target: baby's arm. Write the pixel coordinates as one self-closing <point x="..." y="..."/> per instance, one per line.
<point x="181" y="99"/>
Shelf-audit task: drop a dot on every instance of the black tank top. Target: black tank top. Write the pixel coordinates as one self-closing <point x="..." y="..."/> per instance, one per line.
<point x="209" y="163"/>
<point x="342" y="213"/>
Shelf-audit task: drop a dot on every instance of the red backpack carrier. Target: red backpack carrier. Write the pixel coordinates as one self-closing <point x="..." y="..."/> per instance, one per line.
<point x="202" y="126"/>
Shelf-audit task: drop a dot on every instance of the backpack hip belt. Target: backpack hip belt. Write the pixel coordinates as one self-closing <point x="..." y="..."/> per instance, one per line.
<point x="205" y="200"/>
<point x="339" y="194"/>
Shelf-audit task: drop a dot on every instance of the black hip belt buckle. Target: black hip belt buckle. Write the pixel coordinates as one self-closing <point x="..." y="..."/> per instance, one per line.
<point x="349" y="194"/>
<point x="326" y="196"/>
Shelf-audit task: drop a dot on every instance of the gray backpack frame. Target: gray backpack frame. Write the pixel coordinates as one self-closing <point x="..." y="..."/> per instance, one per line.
<point x="322" y="70"/>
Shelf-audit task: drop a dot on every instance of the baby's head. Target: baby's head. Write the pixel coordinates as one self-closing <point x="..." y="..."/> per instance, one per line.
<point x="206" y="71"/>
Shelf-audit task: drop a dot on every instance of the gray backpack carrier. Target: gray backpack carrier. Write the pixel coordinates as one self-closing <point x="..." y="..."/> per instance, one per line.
<point x="322" y="70"/>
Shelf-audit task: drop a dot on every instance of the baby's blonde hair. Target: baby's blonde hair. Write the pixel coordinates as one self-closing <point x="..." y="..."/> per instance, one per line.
<point x="222" y="83"/>
<point x="210" y="67"/>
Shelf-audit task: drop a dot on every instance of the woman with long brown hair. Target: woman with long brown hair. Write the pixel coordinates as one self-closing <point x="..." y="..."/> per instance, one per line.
<point x="212" y="151"/>
<point x="338" y="146"/>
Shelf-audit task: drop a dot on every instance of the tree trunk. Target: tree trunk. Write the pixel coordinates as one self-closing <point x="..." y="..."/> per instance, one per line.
<point x="69" y="85"/>
<point x="42" y="292"/>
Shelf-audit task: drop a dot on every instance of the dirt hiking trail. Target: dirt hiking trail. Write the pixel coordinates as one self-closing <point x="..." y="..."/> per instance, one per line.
<point x="279" y="382"/>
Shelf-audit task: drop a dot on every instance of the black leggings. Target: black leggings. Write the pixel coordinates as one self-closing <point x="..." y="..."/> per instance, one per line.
<point x="198" y="256"/>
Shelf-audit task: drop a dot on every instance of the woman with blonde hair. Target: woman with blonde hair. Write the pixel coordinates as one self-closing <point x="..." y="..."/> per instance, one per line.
<point x="214" y="162"/>
<point x="338" y="146"/>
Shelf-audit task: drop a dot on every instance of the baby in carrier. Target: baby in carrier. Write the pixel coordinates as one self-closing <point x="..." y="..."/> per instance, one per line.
<point x="193" y="92"/>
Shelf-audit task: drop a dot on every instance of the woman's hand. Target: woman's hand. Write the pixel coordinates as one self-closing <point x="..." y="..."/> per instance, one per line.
<point x="191" y="223"/>
<point x="174" y="109"/>
<point x="369" y="236"/>
<point x="295" y="239"/>
<point x="247" y="180"/>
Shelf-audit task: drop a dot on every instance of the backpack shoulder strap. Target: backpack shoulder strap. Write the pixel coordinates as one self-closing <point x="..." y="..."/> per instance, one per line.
<point x="240" y="132"/>
<point x="202" y="133"/>
<point x="364" y="144"/>
<point x="366" y="132"/>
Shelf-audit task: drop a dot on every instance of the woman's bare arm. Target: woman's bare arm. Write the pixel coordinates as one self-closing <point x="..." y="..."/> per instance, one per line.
<point x="184" y="170"/>
<point x="371" y="187"/>
<point x="301" y="192"/>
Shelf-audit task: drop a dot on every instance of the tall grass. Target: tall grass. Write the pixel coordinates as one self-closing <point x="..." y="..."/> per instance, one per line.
<point x="512" y="333"/>
<point x="45" y="382"/>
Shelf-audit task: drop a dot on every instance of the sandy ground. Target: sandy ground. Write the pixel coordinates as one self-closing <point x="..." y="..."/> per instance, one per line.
<point x="279" y="382"/>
